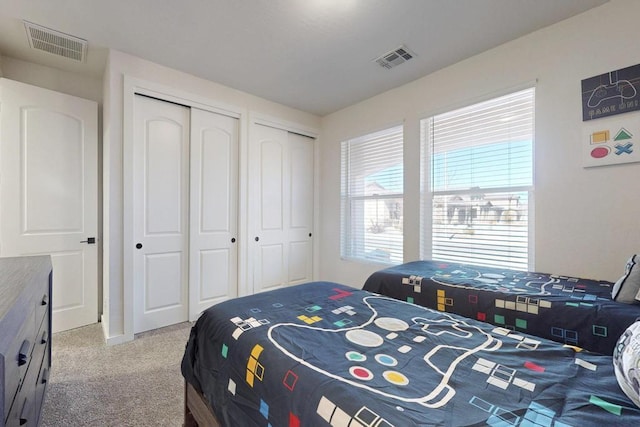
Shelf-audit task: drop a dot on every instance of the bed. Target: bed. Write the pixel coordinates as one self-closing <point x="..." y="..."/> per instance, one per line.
<point x="322" y="354"/>
<point x="569" y="310"/>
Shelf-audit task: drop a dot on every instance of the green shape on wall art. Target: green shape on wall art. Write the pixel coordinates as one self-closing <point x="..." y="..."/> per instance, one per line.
<point x="622" y="135"/>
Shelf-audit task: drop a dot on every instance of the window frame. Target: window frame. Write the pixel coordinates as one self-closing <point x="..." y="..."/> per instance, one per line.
<point x="352" y="240"/>
<point x="427" y="192"/>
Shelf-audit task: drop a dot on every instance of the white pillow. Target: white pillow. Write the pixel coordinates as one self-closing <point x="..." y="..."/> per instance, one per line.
<point x="626" y="362"/>
<point x="627" y="288"/>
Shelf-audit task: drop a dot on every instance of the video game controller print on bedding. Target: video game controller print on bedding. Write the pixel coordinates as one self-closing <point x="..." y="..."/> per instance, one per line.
<point x="324" y="354"/>
<point x="569" y="310"/>
<point x="389" y="352"/>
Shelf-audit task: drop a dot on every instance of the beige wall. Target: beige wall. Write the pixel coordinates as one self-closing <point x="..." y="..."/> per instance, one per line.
<point x="587" y="221"/>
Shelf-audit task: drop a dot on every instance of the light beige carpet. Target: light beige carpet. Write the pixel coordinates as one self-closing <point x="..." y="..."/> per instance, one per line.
<point x="132" y="384"/>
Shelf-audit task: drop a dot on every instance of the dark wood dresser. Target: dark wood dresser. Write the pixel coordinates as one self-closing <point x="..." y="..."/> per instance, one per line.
<point x="25" y="338"/>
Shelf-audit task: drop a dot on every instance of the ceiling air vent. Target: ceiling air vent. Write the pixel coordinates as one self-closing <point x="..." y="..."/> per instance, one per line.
<point x="55" y="42"/>
<point x="395" y="57"/>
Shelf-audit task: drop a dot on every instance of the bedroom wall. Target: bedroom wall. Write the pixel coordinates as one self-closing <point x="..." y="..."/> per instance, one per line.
<point x="587" y="221"/>
<point x="52" y="78"/>
<point x="118" y="65"/>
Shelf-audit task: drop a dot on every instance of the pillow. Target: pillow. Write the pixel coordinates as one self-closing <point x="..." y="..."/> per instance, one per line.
<point x="627" y="288"/>
<point x="626" y="362"/>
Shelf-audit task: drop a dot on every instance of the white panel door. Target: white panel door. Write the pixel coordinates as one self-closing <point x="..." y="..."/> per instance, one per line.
<point x="48" y="201"/>
<point x="268" y="157"/>
<point x="160" y="213"/>
<point x="300" y="217"/>
<point x="280" y="207"/>
<point x="213" y="254"/>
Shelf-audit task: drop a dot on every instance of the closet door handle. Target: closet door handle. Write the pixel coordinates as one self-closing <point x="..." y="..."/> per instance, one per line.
<point x="233" y="240"/>
<point x="45" y="299"/>
<point x="138" y="245"/>
<point x="257" y="239"/>
<point x="45" y="337"/>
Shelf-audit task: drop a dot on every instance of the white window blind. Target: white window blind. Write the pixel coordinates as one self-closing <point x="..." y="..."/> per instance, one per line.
<point x="481" y="181"/>
<point x="372" y="197"/>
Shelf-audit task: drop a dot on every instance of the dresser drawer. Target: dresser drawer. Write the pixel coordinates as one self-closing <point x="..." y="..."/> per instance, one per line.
<point x="25" y="335"/>
<point x="41" y="343"/>
<point x="39" y="351"/>
<point x="17" y="360"/>
<point x="42" y="305"/>
<point x="20" y="411"/>
<point x="35" y="382"/>
<point x="23" y="412"/>
<point x="41" y="385"/>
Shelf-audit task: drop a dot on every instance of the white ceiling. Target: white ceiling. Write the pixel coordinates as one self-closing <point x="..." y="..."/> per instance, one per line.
<point x="314" y="55"/>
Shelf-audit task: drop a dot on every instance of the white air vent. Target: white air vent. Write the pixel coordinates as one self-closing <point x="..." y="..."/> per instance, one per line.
<point x="55" y="42"/>
<point x="395" y="57"/>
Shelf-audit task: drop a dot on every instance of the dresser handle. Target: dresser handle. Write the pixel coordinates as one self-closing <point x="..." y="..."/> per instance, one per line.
<point x="45" y="337"/>
<point x="24" y="413"/>
<point x="23" y="354"/>
<point x="45" y="376"/>
<point x="45" y="299"/>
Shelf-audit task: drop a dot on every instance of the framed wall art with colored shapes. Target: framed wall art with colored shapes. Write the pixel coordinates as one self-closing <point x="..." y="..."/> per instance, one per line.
<point x="612" y="141"/>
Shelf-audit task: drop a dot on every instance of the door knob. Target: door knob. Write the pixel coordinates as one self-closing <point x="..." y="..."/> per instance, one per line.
<point x="233" y="240"/>
<point x="138" y="245"/>
<point x="89" y="241"/>
<point x="257" y="239"/>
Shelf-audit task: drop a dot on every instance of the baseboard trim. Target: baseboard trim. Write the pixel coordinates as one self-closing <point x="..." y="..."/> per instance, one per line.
<point x="112" y="340"/>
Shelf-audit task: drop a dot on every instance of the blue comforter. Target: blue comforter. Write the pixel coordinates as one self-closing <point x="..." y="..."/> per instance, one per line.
<point x="324" y="354"/>
<point x="569" y="310"/>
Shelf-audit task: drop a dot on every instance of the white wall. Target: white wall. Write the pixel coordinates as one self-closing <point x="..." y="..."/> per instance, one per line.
<point x="119" y="65"/>
<point x="75" y="84"/>
<point x="587" y="221"/>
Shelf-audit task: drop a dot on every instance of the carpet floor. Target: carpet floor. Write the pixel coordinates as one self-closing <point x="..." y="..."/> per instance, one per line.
<point x="132" y="384"/>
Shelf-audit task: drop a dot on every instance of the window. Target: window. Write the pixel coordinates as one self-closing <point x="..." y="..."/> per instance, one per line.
<point x="477" y="177"/>
<point x="372" y="197"/>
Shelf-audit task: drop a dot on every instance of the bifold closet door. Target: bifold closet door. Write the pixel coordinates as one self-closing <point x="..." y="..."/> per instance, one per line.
<point x="161" y="213"/>
<point x="49" y="192"/>
<point x="213" y="254"/>
<point x="280" y="207"/>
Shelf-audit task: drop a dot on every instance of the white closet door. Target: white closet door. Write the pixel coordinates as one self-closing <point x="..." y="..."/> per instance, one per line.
<point x="161" y="216"/>
<point x="268" y="206"/>
<point x="280" y="207"/>
<point x="213" y="250"/>
<point x="48" y="201"/>
<point x="300" y="225"/>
